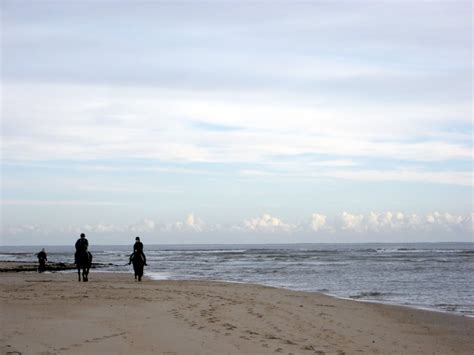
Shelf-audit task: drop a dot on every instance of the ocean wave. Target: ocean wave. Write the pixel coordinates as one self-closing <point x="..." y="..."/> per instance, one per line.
<point x="447" y="307"/>
<point x="424" y="250"/>
<point x="199" y="251"/>
<point x="367" y="294"/>
<point x="158" y="275"/>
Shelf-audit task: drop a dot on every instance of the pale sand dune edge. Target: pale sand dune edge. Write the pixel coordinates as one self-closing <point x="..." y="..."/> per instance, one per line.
<point x="53" y="313"/>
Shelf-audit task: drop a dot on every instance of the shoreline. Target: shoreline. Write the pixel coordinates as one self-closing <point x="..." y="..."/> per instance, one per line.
<point x="60" y="267"/>
<point x="388" y="303"/>
<point x="31" y="266"/>
<point x="112" y="313"/>
<point x="408" y="306"/>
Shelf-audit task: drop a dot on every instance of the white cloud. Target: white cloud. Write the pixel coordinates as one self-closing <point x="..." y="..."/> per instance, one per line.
<point x="318" y="222"/>
<point x="97" y="122"/>
<point x="90" y="122"/>
<point x="469" y="223"/>
<point x="351" y="225"/>
<point x="115" y="122"/>
<point x="145" y="225"/>
<point x="385" y="221"/>
<point x="353" y="222"/>
<point x="190" y="224"/>
<point x="388" y="221"/>
<point x="267" y="223"/>
<point x="447" y="221"/>
<point x="24" y="229"/>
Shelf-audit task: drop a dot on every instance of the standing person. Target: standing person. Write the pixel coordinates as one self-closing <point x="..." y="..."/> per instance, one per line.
<point x="138" y="249"/>
<point x="42" y="259"/>
<point x="82" y="244"/>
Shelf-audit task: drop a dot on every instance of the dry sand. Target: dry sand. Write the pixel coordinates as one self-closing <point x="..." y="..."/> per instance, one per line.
<point x="53" y="313"/>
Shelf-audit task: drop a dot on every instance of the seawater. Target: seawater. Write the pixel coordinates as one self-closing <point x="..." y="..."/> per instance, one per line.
<point x="437" y="276"/>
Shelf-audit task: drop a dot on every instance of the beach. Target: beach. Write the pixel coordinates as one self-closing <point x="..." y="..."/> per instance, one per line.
<point x="52" y="313"/>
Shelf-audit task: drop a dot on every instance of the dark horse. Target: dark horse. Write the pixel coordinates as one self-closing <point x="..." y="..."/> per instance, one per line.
<point x="42" y="265"/>
<point x="137" y="260"/>
<point x="84" y="262"/>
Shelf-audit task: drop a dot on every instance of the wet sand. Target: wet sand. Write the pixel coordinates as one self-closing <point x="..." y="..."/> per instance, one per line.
<point x="52" y="313"/>
<point x="13" y="266"/>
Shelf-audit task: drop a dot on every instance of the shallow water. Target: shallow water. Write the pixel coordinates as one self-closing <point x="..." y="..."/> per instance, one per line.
<point x="437" y="276"/>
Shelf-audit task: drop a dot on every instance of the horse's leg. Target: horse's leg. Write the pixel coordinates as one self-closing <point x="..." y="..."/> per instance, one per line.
<point x="88" y="265"/>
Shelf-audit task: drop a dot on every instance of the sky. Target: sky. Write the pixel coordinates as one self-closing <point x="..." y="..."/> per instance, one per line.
<point x="236" y="121"/>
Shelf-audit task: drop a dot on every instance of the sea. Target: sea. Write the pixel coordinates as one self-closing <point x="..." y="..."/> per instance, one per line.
<point x="434" y="276"/>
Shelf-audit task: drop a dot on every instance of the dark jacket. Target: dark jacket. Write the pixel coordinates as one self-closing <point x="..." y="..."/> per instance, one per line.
<point x="138" y="249"/>
<point x="42" y="256"/>
<point x="82" y="244"/>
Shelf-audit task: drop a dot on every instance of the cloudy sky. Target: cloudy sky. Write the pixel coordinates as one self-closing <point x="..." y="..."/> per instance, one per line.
<point x="227" y="122"/>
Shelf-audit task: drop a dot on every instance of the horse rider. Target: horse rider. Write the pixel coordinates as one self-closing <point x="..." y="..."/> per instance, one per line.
<point x="138" y="249"/>
<point x="42" y="259"/>
<point x="82" y="244"/>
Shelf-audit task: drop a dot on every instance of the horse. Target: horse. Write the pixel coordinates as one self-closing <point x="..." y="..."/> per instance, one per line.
<point x="42" y="265"/>
<point x="138" y="263"/>
<point x="83" y="261"/>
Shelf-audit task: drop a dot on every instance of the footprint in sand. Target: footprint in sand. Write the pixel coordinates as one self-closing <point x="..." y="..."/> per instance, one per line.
<point x="251" y="332"/>
<point x="229" y="326"/>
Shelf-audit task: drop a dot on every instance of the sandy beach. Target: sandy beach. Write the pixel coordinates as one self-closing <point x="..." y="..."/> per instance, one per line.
<point x="52" y="313"/>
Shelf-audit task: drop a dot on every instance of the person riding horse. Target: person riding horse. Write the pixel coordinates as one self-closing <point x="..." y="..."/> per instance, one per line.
<point x="138" y="249"/>
<point x="42" y="259"/>
<point x="138" y="259"/>
<point x="82" y="257"/>
<point x="82" y="244"/>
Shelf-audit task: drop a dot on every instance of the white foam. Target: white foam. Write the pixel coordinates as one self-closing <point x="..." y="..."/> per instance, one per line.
<point x="158" y="275"/>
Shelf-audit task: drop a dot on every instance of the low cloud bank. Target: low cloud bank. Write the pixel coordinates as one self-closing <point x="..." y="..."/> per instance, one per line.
<point x="265" y="223"/>
<point x="447" y="225"/>
<point x="398" y="221"/>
